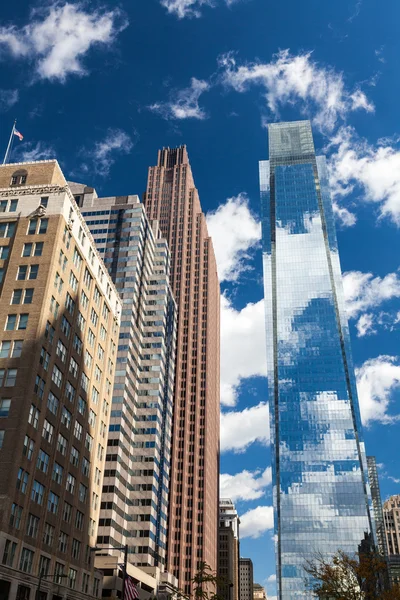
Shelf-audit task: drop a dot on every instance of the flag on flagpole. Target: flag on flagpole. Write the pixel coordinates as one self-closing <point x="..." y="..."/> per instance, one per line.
<point x="18" y="134"/>
<point x="131" y="591"/>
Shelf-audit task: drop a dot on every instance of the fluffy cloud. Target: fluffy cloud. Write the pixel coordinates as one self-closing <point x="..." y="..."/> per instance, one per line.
<point x="344" y="217"/>
<point x="7" y="99"/>
<point x="191" y="8"/>
<point x="29" y="152"/>
<point x="365" y="325"/>
<point x="59" y="36"/>
<point x="184" y="104"/>
<point x="256" y="522"/>
<point x="103" y="154"/>
<point x="363" y="291"/>
<point x="247" y="485"/>
<point x="243" y="347"/>
<point x="375" y="169"/>
<point x="297" y="78"/>
<point x="240" y="429"/>
<point x="377" y="379"/>
<point x="234" y="230"/>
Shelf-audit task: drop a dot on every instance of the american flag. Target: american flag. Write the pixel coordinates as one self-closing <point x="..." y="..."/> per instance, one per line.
<point x="131" y="591"/>
<point x="18" y="134"/>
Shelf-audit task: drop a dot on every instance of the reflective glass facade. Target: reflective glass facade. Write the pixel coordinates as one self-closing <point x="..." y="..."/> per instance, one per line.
<point x="321" y="493"/>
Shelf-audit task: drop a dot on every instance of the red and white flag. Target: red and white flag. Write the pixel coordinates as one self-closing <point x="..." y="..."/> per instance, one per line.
<point x="131" y="591"/>
<point x="18" y="134"/>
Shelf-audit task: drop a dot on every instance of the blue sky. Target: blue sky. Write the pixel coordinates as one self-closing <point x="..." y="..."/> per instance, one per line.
<point x="103" y="86"/>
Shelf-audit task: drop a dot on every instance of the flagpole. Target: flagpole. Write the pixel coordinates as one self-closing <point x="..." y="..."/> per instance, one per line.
<point x="9" y="143"/>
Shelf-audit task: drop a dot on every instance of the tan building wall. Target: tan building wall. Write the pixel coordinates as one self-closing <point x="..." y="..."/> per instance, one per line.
<point x="59" y="325"/>
<point x="259" y="592"/>
<point x="245" y="579"/>
<point x="172" y="199"/>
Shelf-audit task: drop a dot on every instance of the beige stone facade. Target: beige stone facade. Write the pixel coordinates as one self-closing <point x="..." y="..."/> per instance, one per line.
<point x="245" y="579"/>
<point x="228" y="551"/>
<point x="59" y="327"/>
<point x="173" y="200"/>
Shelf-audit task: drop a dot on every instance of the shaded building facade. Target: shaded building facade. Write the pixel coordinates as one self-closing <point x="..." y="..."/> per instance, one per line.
<point x="59" y="330"/>
<point x="228" y="551"/>
<point x="377" y="506"/>
<point x="246" y="579"/>
<point x="134" y="507"/>
<point x="320" y="480"/>
<point x="391" y="516"/>
<point x="172" y="199"/>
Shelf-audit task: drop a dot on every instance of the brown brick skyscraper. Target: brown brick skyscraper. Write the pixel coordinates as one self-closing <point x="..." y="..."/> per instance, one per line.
<point x="173" y="200"/>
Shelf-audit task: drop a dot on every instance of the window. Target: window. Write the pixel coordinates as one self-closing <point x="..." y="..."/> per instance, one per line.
<point x="38" y="249"/>
<point x="44" y="358"/>
<point x="25" y="564"/>
<point x="72" y="577"/>
<point x="61" y="351"/>
<point x="85" y="467"/>
<point x="16" y="349"/>
<point x="5" y="404"/>
<point x="15" y="516"/>
<point x="33" y="271"/>
<point x="23" y="321"/>
<point x="52" y="403"/>
<point x="7" y="230"/>
<point x="77" y="259"/>
<point x="81" y="236"/>
<point x="62" y="444"/>
<point x="100" y="352"/>
<point x="78" y="429"/>
<point x="23" y="592"/>
<point x="62" y="260"/>
<point x="77" y="344"/>
<point x="48" y="534"/>
<point x="11" y="377"/>
<point x="32" y="249"/>
<point x="54" y="307"/>
<point x="81" y="405"/>
<point x="33" y="417"/>
<point x="39" y="386"/>
<point x="88" y="442"/>
<point x="5" y="347"/>
<point x="82" y="492"/>
<point x="79" y="518"/>
<point x="58" y="282"/>
<point x="84" y="382"/>
<point x="22" y="296"/>
<point x="62" y="542"/>
<point x="22" y="272"/>
<point x="91" y="256"/>
<point x="70" y="304"/>
<point x="37" y="492"/>
<point x="59" y="573"/>
<point x="48" y="431"/>
<point x="28" y="448"/>
<point x="91" y="338"/>
<point x="56" y="376"/>
<point x="67" y="237"/>
<point x="65" y="327"/>
<point x="44" y="566"/>
<point x="52" y="502"/>
<point x="87" y="279"/>
<point x="96" y="587"/>
<point x="74" y="458"/>
<point x="43" y="226"/>
<point x="42" y="462"/>
<point x="57" y="473"/>
<point x="73" y="282"/>
<point x="70" y="391"/>
<point x="32" y="526"/>
<point x="105" y="312"/>
<point x="67" y="512"/>
<point x="94" y="317"/>
<point x="70" y="485"/>
<point x="37" y="226"/>
<point x="88" y="359"/>
<point x="22" y="480"/>
<point x="85" y="583"/>
<point x="81" y="321"/>
<point x="66" y="417"/>
<point x="73" y="367"/>
<point x="92" y="418"/>
<point x="9" y="553"/>
<point x="96" y="295"/>
<point x="84" y="300"/>
<point x="2" y="434"/>
<point x="49" y="332"/>
<point x="97" y="373"/>
<point x="103" y="333"/>
<point x="76" y="548"/>
<point x="4" y="250"/>
<point x="44" y="200"/>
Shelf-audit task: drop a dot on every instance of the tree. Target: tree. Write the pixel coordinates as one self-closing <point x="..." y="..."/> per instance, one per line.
<point x="205" y="584"/>
<point x="363" y="577"/>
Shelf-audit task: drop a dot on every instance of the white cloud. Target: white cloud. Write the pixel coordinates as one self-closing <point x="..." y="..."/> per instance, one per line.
<point x="365" y="325"/>
<point x="257" y="521"/>
<point x="363" y="291"/>
<point x="288" y="79"/>
<point x="7" y="99"/>
<point x="184" y="104"/>
<point x="103" y="154"/>
<point x="243" y="347"/>
<point x="59" y="36"/>
<point x="29" y="152"/>
<point x="234" y="230"/>
<point x="240" y="429"/>
<point x="247" y="485"/>
<point x="271" y="578"/>
<point x="377" y="379"/>
<point x="191" y="8"/>
<point x="344" y="217"/>
<point x="374" y="169"/>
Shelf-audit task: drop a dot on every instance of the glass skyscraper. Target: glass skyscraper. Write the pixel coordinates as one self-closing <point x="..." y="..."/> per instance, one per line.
<point x="321" y="490"/>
